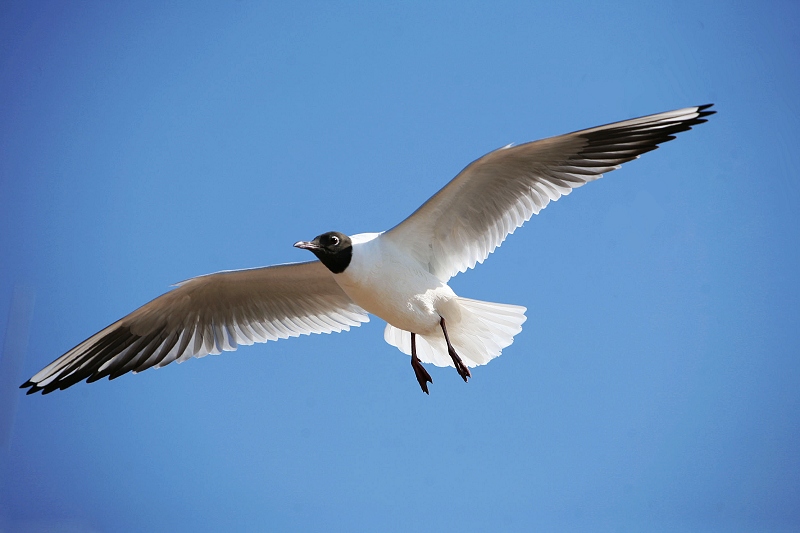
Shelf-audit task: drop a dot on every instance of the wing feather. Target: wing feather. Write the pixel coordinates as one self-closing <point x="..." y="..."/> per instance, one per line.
<point x="473" y="214"/>
<point x="208" y="315"/>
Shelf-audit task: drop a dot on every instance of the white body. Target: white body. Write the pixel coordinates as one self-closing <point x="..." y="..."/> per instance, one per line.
<point x="387" y="281"/>
<point x="391" y="284"/>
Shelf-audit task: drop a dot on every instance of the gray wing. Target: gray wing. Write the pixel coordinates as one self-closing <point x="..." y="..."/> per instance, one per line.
<point x="472" y="215"/>
<point x="207" y="315"/>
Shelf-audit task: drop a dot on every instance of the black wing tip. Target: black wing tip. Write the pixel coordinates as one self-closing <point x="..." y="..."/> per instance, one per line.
<point x="58" y="384"/>
<point x="702" y="111"/>
<point x="47" y="389"/>
<point x="32" y="387"/>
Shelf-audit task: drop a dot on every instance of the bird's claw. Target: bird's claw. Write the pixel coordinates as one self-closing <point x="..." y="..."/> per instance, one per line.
<point x="422" y="375"/>
<point x="461" y="368"/>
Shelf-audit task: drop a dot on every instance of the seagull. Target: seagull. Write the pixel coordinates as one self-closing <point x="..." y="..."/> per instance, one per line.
<point x="400" y="275"/>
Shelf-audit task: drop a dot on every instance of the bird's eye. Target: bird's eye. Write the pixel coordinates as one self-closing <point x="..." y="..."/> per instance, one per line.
<point x="334" y="240"/>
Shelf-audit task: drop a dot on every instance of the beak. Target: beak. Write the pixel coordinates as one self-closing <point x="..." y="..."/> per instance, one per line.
<point x="306" y="245"/>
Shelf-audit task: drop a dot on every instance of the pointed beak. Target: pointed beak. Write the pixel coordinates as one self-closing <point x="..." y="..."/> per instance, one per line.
<point x="306" y="245"/>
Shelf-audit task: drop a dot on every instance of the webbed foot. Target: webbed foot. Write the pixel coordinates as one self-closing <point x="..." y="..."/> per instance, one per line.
<point x="422" y="375"/>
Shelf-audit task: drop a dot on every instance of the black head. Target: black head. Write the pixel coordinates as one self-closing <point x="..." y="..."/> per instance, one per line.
<point x="334" y="249"/>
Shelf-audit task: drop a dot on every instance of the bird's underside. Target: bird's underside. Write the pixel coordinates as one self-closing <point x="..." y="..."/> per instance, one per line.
<point x="450" y="233"/>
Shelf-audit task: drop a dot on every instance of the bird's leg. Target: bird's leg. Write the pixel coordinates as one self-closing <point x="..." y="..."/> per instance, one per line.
<point x="422" y="375"/>
<point x="462" y="369"/>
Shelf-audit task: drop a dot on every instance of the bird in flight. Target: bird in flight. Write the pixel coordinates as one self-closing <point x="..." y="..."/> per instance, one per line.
<point x="399" y="275"/>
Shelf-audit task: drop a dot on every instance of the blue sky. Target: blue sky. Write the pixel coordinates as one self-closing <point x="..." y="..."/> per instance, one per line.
<point x="653" y="387"/>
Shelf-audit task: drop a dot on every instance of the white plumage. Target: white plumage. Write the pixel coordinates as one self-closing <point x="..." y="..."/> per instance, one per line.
<point x="415" y="300"/>
<point x="400" y="275"/>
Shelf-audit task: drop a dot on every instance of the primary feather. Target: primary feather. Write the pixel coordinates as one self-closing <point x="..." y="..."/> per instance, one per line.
<point x="207" y="315"/>
<point x="473" y="214"/>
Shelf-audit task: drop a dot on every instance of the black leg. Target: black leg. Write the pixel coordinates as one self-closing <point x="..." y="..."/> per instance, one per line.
<point x="422" y="375"/>
<point x="462" y="369"/>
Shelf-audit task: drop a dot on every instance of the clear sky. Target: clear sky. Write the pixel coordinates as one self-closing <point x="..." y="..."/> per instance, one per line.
<point x="654" y="387"/>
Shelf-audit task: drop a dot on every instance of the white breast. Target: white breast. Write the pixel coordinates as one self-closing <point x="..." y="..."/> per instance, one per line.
<point x="393" y="285"/>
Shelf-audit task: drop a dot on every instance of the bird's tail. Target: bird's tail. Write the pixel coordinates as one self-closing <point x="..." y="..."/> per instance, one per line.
<point x="478" y="335"/>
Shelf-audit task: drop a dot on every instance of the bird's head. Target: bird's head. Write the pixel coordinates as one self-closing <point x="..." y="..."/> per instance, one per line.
<point x="333" y="249"/>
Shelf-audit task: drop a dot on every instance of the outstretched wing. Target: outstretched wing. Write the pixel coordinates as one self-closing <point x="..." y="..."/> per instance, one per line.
<point x="207" y="315"/>
<point x="472" y="215"/>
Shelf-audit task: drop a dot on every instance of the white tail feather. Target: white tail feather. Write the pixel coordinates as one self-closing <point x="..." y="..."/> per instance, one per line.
<point x="480" y="335"/>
